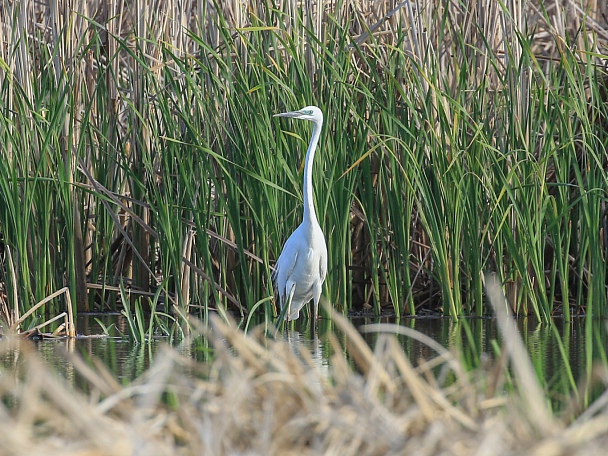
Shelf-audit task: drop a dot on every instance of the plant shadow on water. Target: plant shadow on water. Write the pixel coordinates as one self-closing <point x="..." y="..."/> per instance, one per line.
<point x="124" y="359"/>
<point x="563" y="354"/>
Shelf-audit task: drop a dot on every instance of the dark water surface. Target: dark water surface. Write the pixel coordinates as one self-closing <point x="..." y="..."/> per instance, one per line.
<point x="562" y="353"/>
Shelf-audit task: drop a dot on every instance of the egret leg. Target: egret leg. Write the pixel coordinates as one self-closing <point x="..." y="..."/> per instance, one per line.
<point x="292" y="290"/>
<point x="285" y="305"/>
<point x="315" y="315"/>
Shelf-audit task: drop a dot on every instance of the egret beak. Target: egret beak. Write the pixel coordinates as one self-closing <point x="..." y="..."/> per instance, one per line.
<point x="289" y="114"/>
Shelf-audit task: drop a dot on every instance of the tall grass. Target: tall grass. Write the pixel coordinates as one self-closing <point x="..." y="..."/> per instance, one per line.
<point x="140" y="149"/>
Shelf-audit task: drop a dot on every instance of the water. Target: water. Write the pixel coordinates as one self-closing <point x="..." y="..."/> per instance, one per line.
<point x="554" y="350"/>
<point x="583" y="342"/>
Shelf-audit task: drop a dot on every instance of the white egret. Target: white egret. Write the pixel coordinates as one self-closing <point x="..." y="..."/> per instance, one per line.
<point x="299" y="272"/>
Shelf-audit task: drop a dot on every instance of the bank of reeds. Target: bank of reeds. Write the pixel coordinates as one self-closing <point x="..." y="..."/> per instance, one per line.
<point x="139" y="153"/>
<point x="264" y="396"/>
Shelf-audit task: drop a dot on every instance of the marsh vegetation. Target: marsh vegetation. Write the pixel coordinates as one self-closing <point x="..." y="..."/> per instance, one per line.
<point x="139" y="154"/>
<point x="262" y="396"/>
<point x="142" y="171"/>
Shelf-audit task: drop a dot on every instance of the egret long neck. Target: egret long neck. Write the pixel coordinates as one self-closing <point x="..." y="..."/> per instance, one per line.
<point x="309" y="207"/>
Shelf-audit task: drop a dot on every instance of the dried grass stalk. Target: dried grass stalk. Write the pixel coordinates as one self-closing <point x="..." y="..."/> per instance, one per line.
<point x="268" y="397"/>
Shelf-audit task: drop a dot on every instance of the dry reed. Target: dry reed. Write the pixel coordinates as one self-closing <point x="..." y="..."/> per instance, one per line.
<point x="268" y="397"/>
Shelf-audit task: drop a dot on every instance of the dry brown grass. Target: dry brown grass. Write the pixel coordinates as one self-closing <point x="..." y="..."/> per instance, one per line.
<point x="259" y="397"/>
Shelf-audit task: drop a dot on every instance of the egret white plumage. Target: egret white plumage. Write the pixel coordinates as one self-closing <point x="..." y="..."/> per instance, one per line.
<point x="299" y="272"/>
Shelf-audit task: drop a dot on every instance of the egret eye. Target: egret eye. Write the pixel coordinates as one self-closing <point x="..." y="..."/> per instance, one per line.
<point x="308" y="112"/>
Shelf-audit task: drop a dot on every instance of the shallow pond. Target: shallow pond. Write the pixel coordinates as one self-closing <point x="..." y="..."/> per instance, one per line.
<point x="579" y="344"/>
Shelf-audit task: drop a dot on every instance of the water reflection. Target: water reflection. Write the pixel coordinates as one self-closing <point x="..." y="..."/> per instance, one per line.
<point x="316" y="352"/>
<point x="578" y="342"/>
<point x="562" y="353"/>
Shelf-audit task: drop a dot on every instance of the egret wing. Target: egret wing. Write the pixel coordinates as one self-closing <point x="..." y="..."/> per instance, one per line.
<point x="284" y="267"/>
<point x="323" y="268"/>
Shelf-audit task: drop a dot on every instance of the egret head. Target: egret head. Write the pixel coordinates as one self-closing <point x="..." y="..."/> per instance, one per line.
<point x="311" y="113"/>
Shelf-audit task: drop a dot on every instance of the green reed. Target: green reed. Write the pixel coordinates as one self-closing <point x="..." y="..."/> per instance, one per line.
<point x="152" y="159"/>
